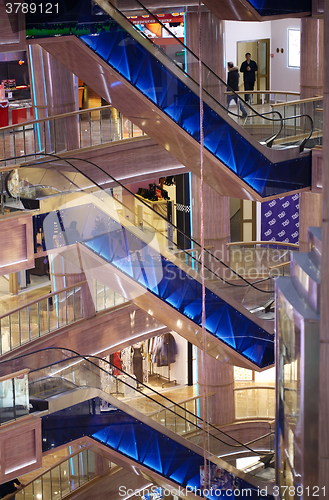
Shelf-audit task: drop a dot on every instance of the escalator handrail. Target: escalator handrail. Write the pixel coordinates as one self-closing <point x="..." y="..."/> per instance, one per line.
<point x="262" y="115"/>
<point x="57" y="157"/>
<point x="86" y="358"/>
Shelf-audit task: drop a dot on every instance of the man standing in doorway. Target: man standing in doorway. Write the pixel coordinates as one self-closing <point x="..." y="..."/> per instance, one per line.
<point x="249" y="68"/>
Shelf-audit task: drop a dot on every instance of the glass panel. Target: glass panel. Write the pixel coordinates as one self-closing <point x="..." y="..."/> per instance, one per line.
<point x="56" y="483"/>
<point x="7" y="401"/>
<point x="5" y="335"/>
<point x="46" y="485"/>
<point x="74" y="472"/>
<point x="44" y="315"/>
<point x="37" y="485"/>
<point x="21" y="395"/>
<point x="65" y="478"/>
<point x="14" y="330"/>
<point x="34" y="320"/>
<point x="91" y="465"/>
<point x="83" y="467"/>
<point x="26" y="494"/>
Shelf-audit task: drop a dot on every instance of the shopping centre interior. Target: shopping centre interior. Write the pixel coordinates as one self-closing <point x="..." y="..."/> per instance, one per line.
<point x="163" y="279"/>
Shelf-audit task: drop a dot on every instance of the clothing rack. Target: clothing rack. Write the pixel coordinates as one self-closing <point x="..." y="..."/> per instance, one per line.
<point x="117" y="392"/>
<point x="168" y="381"/>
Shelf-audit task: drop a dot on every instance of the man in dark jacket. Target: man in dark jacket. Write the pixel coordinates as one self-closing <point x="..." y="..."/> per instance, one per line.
<point x="233" y="84"/>
<point x="10" y="487"/>
<point x="249" y="68"/>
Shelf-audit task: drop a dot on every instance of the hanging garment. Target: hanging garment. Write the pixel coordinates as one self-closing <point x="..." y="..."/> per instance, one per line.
<point x="138" y="363"/>
<point x="116" y="361"/>
<point x="166" y="350"/>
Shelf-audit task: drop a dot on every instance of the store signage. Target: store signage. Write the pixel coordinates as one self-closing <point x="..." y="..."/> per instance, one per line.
<point x="280" y="219"/>
<point x="163" y="18"/>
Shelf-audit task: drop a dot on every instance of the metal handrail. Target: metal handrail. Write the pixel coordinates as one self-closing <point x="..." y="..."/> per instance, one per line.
<point x="300" y="101"/>
<point x="69" y="162"/>
<point x="279" y="119"/>
<point x="55" y="117"/>
<point x="35" y="301"/>
<point x="278" y="266"/>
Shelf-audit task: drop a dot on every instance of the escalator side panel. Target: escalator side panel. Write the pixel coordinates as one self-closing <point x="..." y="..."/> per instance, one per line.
<point x="135" y="440"/>
<point x="179" y="290"/>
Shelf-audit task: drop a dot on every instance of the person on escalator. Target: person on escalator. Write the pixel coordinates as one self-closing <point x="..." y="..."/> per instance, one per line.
<point x="248" y="68"/>
<point x="233" y="83"/>
<point x="10" y="487"/>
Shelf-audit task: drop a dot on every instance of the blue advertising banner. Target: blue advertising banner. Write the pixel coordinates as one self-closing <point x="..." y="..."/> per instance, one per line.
<point x="280" y="219"/>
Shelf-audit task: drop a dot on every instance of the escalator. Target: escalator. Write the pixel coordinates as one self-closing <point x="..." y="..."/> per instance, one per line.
<point x="242" y="10"/>
<point x="259" y="10"/>
<point x="122" y="65"/>
<point x="136" y="427"/>
<point x="143" y="263"/>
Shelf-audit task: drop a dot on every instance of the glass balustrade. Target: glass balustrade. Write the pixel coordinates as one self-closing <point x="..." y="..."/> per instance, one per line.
<point x="93" y="372"/>
<point x="97" y="210"/>
<point x="254" y="402"/>
<point x="254" y="260"/>
<point x="14" y="396"/>
<point x="64" y="370"/>
<point x="52" y="312"/>
<point x="80" y="129"/>
<point x="63" y="479"/>
<point x="257" y="117"/>
<point x="295" y="125"/>
<point x="110" y="225"/>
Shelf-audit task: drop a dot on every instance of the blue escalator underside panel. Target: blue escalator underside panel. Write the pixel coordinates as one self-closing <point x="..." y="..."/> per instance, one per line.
<point x="146" y="266"/>
<point x="133" y="439"/>
<point x="151" y="77"/>
<point x="281" y="7"/>
<point x="172" y="96"/>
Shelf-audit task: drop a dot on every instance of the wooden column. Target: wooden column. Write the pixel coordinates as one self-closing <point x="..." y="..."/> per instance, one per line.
<point x="220" y="379"/>
<point x="311" y="85"/>
<point x="52" y="87"/>
<point x="216" y="207"/>
<point x="212" y="34"/>
<point x="216" y="219"/>
<point x="310" y="206"/>
<point x="311" y="57"/>
<point x="324" y="320"/>
<point x="219" y="376"/>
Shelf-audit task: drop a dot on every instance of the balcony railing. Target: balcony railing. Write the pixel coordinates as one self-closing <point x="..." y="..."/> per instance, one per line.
<point x="65" y="132"/>
<point x="51" y="312"/>
<point x="65" y="477"/>
<point x="254" y="402"/>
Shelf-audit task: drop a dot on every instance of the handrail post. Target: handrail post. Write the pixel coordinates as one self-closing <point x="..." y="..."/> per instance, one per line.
<point x="66" y="308"/>
<point x="39" y="326"/>
<point x="100" y="126"/>
<point x="90" y="134"/>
